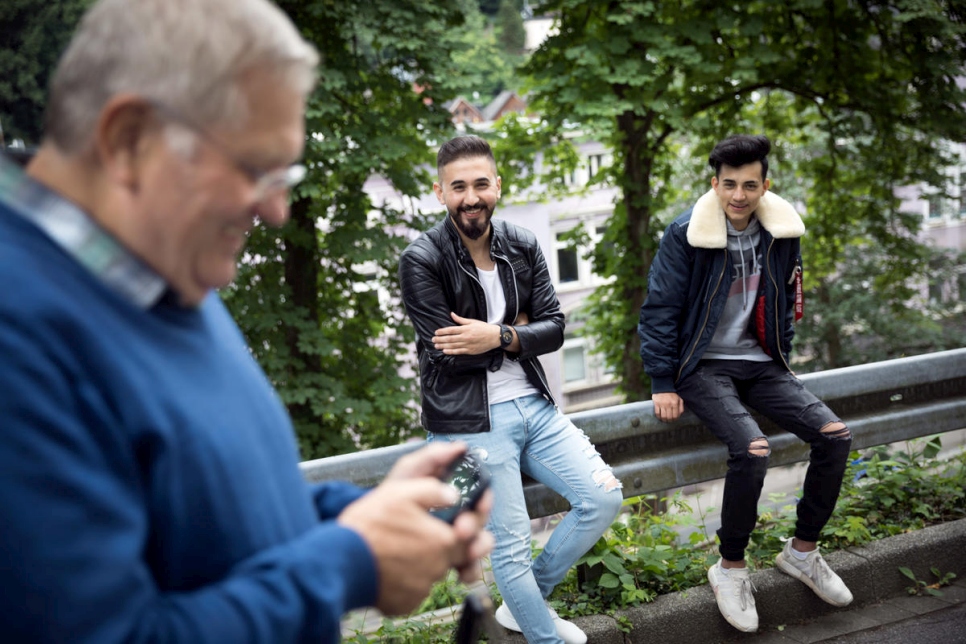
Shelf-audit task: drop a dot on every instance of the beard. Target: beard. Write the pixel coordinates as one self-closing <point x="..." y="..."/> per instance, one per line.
<point x="472" y="229"/>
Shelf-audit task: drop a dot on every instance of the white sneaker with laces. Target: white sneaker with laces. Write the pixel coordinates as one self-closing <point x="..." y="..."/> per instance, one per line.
<point x="814" y="573"/>
<point x="733" y="591"/>
<point x="567" y="631"/>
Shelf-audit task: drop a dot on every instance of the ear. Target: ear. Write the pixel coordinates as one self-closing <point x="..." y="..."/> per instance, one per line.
<point x="714" y="183"/>
<point x="766" y="184"/>
<point x="438" y="189"/>
<point x="499" y="186"/>
<point x="122" y="137"/>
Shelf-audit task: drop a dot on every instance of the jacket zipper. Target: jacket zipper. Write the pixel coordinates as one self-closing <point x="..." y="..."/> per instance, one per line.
<point x="707" y="315"/>
<point x="513" y="280"/>
<point x="774" y="282"/>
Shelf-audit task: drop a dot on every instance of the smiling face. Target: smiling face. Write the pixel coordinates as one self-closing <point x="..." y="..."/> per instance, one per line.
<point x="739" y="190"/>
<point x="196" y="210"/>
<point x="469" y="188"/>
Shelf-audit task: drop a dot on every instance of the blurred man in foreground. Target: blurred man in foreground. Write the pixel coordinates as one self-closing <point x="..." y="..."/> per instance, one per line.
<point x="150" y="487"/>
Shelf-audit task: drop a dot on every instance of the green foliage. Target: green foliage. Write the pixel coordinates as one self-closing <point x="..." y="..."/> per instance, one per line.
<point x="317" y="300"/>
<point x="920" y="587"/>
<point x="483" y="65"/>
<point x="533" y="158"/>
<point x="637" y="560"/>
<point x="410" y="631"/>
<point x="33" y="35"/>
<point x="489" y="7"/>
<point x="866" y="91"/>
<point x="907" y="490"/>
<point x="865" y="312"/>
<point x="509" y="25"/>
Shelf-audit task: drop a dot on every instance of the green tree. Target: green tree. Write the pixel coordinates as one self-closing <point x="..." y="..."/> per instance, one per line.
<point x="32" y="34"/>
<point x="317" y="299"/>
<point x="489" y="7"/>
<point x="509" y="26"/>
<point x="482" y="68"/>
<point x="869" y="86"/>
<point x="870" y="320"/>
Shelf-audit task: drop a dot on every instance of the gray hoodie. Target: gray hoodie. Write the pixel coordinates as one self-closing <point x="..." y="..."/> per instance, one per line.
<point x="733" y="339"/>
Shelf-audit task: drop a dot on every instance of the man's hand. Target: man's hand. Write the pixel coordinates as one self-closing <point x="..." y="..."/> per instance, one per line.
<point x="469" y="337"/>
<point x="667" y="406"/>
<point x="412" y="548"/>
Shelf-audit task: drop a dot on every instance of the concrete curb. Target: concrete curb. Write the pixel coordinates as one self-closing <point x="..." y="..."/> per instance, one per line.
<point x="871" y="573"/>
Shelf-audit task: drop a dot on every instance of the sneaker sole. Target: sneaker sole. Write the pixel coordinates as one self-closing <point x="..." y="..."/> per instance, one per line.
<point x="731" y="621"/>
<point x="792" y="571"/>
<point x="515" y="627"/>
<point x="510" y="626"/>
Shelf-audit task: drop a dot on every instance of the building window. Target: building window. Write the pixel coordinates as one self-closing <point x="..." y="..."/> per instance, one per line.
<point x="599" y="233"/>
<point x="935" y="291"/>
<point x="574" y="365"/>
<point x="594" y="164"/>
<point x="568" y="269"/>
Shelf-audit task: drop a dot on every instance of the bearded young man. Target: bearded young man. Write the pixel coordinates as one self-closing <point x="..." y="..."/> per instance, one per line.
<point x="479" y="295"/>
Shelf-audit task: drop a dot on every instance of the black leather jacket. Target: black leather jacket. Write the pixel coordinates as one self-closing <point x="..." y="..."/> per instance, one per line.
<point x="438" y="276"/>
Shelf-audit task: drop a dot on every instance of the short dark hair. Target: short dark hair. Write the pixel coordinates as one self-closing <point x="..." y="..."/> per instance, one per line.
<point x="463" y="147"/>
<point x="739" y="150"/>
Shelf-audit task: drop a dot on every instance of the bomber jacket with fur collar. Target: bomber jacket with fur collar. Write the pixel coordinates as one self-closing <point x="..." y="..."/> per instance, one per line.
<point x="689" y="281"/>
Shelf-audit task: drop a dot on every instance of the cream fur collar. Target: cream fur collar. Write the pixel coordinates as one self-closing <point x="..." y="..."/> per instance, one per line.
<point x="708" y="230"/>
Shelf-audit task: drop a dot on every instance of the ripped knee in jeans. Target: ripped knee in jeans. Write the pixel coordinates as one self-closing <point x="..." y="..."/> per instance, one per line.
<point x="606" y="478"/>
<point x="759" y="447"/>
<point x="836" y="430"/>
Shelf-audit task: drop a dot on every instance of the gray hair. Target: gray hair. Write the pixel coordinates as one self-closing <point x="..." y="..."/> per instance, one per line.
<point x="188" y="54"/>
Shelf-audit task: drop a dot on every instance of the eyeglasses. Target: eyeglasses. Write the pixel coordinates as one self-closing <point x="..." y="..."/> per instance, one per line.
<point x="266" y="183"/>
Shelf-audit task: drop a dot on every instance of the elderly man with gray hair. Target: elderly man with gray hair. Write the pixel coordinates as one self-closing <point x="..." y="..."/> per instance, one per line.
<point x="149" y="473"/>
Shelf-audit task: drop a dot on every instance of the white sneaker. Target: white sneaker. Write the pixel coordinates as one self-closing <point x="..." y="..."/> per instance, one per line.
<point x="732" y="590"/>
<point x="814" y="573"/>
<point x="567" y="631"/>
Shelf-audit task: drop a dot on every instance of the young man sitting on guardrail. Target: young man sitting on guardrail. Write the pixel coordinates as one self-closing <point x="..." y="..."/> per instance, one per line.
<point x="716" y="332"/>
<point x="480" y="297"/>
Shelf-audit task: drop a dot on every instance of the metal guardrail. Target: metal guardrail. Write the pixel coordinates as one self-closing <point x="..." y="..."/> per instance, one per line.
<point x="881" y="402"/>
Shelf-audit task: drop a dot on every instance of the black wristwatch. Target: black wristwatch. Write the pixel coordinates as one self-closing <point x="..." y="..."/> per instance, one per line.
<point x="506" y="336"/>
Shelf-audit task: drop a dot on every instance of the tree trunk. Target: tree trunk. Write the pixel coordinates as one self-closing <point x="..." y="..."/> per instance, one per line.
<point x="638" y="163"/>
<point x="301" y="253"/>
<point x="831" y="335"/>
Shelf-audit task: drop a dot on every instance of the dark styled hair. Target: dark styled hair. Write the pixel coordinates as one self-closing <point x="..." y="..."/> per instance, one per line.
<point x="463" y="147"/>
<point x="739" y="150"/>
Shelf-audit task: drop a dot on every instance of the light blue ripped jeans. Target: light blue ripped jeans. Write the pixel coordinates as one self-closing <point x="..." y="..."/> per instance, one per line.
<point x="530" y="435"/>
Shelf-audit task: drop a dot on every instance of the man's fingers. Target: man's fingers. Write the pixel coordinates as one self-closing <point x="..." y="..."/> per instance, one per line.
<point x="449" y="330"/>
<point x="427" y="492"/>
<point x="431" y="460"/>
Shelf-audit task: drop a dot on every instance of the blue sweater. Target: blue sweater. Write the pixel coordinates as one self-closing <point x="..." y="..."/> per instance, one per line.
<point x="149" y="481"/>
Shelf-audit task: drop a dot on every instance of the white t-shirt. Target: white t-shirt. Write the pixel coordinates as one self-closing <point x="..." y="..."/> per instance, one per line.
<point x="510" y="381"/>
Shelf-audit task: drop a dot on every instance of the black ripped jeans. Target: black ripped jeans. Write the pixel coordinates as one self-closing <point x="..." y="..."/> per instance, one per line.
<point x="717" y="392"/>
